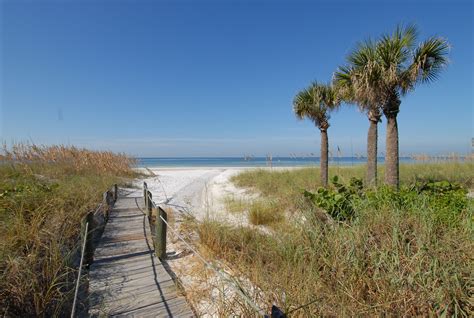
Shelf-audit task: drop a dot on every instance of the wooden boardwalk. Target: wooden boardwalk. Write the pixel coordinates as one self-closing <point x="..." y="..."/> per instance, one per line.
<point x="126" y="278"/>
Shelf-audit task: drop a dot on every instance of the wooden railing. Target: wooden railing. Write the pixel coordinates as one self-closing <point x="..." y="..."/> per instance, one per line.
<point x="91" y="230"/>
<point x="160" y="222"/>
<point x="105" y="207"/>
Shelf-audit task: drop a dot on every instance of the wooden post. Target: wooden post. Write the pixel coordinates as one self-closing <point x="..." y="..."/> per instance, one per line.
<point x="111" y="198"/>
<point x="160" y="229"/>
<point x="115" y="192"/>
<point x="145" y="189"/>
<point x="149" y="205"/>
<point x="105" y="202"/>
<point x="89" y="251"/>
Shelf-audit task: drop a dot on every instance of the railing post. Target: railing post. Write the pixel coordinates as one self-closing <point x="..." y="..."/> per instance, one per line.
<point x="105" y="203"/>
<point x="149" y="205"/>
<point x="160" y="230"/>
<point x="115" y="192"/>
<point x="145" y="189"/>
<point x="89" y="250"/>
<point x="111" y="198"/>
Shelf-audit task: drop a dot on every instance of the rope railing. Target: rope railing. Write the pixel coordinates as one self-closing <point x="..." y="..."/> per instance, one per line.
<point x="76" y="290"/>
<point x="108" y="198"/>
<point x="161" y="242"/>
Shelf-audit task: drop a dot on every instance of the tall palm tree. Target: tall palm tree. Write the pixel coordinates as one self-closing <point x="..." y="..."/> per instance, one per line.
<point x="401" y="67"/>
<point x="358" y="84"/>
<point x="315" y="103"/>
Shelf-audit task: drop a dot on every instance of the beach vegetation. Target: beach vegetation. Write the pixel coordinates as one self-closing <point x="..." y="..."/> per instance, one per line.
<point x="264" y="212"/>
<point x="235" y="205"/>
<point x="387" y="251"/>
<point x="45" y="191"/>
<point x="337" y="201"/>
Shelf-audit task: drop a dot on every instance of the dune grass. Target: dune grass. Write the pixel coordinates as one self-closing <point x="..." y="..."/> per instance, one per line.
<point x="285" y="186"/>
<point x="44" y="194"/>
<point x="403" y="254"/>
<point x="263" y="212"/>
<point x="235" y="205"/>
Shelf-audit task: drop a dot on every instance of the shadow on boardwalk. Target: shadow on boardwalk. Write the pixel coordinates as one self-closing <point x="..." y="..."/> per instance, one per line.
<point x="126" y="278"/>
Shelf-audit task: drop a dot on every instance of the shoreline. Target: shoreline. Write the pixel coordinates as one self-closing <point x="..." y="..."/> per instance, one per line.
<point x="288" y="167"/>
<point x="178" y="168"/>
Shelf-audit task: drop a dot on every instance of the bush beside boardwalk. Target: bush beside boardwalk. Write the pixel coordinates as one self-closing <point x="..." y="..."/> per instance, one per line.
<point x="406" y="252"/>
<point x="44" y="194"/>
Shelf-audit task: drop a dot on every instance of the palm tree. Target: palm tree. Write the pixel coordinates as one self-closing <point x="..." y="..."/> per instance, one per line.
<point x="400" y="68"/>
<point x="315" y="103"/>
<point x="358" y="84"/>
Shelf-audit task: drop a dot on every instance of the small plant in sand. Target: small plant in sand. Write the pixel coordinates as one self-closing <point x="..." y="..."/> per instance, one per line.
<point x="235" y="205"/>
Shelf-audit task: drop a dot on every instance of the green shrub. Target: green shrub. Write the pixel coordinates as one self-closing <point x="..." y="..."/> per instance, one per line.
<point x="338" y="202"/>
<point x="444" y="200"/>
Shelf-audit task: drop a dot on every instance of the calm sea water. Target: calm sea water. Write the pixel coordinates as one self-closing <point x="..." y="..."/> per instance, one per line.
<point x="253" y="162"/>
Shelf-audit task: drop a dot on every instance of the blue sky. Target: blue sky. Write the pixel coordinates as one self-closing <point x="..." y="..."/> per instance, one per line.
<point x="215" y="78"/>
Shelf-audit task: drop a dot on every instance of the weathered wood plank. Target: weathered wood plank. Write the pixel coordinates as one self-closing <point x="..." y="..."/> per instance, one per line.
<point x="126" y="278"/>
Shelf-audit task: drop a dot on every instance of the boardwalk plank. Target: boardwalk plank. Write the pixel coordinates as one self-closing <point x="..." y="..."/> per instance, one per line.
<point x="126" y="278"/>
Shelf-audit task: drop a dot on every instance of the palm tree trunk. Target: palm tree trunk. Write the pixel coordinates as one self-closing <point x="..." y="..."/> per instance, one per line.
<point x="372" y="137"/>
<point x="324" y="157"/>
<point x="391" y="156"/>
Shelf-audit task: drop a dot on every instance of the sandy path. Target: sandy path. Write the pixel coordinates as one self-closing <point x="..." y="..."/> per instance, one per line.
<point x="195" y="191"/>
<point x="199" y="192"/>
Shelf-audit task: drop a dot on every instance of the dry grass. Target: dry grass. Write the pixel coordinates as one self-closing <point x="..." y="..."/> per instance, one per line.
<point x="405" y="254"/>
<point x="264" y="213"/>
<point x="235" y="205"/>
<point x="44" y="194"/>
<point x="73" y="160"/>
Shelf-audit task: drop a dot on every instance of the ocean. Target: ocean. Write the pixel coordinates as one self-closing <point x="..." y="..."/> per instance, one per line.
<point x="253" y="162"/>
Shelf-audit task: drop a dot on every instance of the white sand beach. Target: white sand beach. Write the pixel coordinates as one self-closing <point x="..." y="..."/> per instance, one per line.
<point x="199" y="192"/>
<point x="189" y="190"/>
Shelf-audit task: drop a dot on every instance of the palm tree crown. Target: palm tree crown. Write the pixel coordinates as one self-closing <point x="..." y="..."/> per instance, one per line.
<point x="401" y="65"/>
<point x="359" y="81"/>
<point x="315" y="103"/>
<point x="384" y="70"/>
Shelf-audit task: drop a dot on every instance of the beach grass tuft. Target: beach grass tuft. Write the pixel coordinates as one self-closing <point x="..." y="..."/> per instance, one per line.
<point x="264" y="212"/>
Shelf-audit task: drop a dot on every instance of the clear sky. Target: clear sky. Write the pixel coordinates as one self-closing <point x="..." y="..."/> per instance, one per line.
<point x="215" y="78"/>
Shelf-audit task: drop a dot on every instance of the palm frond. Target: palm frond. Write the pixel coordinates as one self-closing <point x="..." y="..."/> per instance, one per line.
<point x="429" y="59"/>
<point x="406" y="35"/>
<point x="342" y="82"/>
<point x="362" y="76"/>
<point x="363" y="54"/>
<point x="394" y="50"/>
<point x="384" y="70"/>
